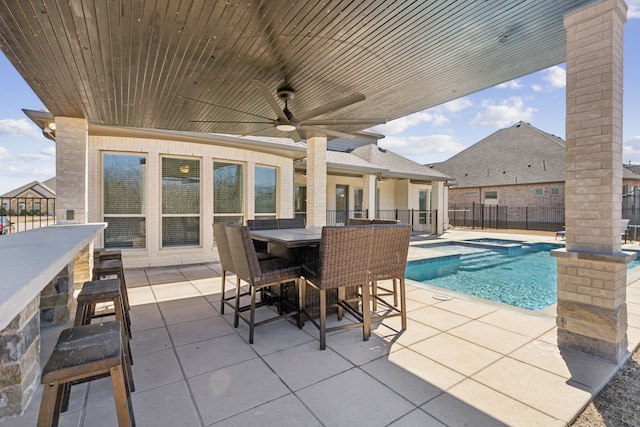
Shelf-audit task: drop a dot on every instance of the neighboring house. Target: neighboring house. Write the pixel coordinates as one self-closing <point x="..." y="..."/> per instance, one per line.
<point x="34" y="198"/>
<point x="516" y="166"/>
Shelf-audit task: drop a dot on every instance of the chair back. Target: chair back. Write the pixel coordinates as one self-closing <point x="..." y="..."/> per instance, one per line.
<point x="224" y="252"/>
<point x="625" y="225"/>
<point x="385" y="221"/>
<point x="284" y="223"/>
<point x="262" y="224"/>
<point x="358" y="221"/>
<point x="389" y="249"/>
<point x="243" y="253"/>
<point x="344" y="255"/>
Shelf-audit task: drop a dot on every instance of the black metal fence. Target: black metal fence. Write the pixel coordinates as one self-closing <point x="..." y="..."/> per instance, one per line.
<point x="26" y="213"/>
<point x="482" y="216"/>
<point x="507" y="217"/>
<point x="421" y="221"/>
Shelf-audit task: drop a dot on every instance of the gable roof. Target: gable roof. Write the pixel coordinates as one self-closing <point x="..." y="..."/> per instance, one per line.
<point x="396" y="165"/>
<point x="371" y="159"/>
<point x="520" y="154"/>
<point x="38" y="187"/>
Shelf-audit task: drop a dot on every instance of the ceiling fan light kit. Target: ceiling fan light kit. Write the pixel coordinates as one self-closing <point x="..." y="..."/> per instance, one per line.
<point x="285" y="127"/>
<point x="297" y="127"/>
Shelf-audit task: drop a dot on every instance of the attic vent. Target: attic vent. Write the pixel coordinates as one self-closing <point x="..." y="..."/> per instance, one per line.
<point x="518" y="125"/>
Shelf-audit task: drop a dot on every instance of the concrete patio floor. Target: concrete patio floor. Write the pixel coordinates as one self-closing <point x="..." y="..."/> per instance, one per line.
<point x="461" y="362"/>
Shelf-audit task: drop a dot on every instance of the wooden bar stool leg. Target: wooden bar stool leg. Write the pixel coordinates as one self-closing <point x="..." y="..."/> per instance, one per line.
<point x="50" y="405"/>
<point x="122" y="398"/>
<point x="125" y="337"/>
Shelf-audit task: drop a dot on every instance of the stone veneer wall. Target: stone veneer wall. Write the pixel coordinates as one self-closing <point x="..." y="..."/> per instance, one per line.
<point x="56" y="298"/>
<point x="591" y="311"/>
<point x="20" y="340"/>
<point x="20" y="360"/>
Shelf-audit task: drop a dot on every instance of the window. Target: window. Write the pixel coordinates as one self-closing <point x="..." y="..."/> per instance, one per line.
<point x="491" y="198"/>
<point x="342" y="204"/>
<point x="555" y="191"/>
<point x="22" y="208"/>
<point x="422" y="206"/>
<point x="358" y="200"/>
<point x="180" y="202"/>
<point x="539" y="192"/>
<point x="491" y="195"/>
<point x="36" y="208"/>
<point x="124" y="200"/>
<point x="300" y="199"/>
<point x="228" y="192"/>
<point x="265" y="192"/>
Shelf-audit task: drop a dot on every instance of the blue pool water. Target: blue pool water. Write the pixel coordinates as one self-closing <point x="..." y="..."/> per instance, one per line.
<point x="504" y="271"/>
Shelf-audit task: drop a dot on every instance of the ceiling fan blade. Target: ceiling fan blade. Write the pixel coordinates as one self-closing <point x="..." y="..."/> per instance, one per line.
<point x="222" y="106"/>
<point x="224" y="121"/>
<point x="295" y="136"/>
<point x="327" y="132"/>
<point x="271" y="100"/>
<point x="331" y="106"/>
<point x="341" y="122"/>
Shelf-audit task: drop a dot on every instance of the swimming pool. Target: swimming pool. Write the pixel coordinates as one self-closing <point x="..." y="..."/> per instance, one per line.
<point x="510" y="272"/>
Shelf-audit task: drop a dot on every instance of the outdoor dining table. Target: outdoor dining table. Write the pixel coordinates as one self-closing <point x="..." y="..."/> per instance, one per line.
<point x="290" y="237"/>
<point x="295" y="244"/>
<point x="299" y="245"/>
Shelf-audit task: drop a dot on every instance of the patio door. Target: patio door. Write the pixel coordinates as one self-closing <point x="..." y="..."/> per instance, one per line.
<point x="342" y="204"/>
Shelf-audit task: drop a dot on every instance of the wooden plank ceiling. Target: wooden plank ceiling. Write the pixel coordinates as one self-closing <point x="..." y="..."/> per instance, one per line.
<point x="142" y="63"/>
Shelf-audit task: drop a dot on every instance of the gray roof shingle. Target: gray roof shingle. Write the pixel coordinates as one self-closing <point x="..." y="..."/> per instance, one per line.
<point x="520" y="154"/>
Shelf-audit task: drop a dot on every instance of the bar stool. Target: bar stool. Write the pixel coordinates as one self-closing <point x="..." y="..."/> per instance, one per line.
<point x="101" y="254"/>
<point x="84" y="353"/>
<point x="112" y="267"/>
<point x="103" y="291"/>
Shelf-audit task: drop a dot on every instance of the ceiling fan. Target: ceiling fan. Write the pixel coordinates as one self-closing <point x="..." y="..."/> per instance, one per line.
<point x="285" y="121"/>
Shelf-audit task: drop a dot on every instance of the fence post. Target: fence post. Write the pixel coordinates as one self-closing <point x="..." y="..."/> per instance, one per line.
<point x="473" y="215"/>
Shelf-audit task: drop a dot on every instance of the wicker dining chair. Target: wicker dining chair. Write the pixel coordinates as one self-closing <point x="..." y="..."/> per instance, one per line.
<point x="226" y="263"/>
<point x="389" y="250"/>
<point x="342" y="263"/>
<point x="284" y="223"/>
<point x="261" y="276"/>
<point x="262" y="224"/>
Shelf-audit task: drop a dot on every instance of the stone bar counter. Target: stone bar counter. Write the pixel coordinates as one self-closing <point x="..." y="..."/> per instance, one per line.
<point x="36" y="288"/>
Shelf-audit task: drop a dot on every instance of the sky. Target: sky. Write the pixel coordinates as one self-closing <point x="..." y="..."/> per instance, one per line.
<point x="427" y="137"/>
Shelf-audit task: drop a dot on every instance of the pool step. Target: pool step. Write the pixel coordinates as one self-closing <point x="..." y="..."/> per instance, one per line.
<point x="482" y="260"/>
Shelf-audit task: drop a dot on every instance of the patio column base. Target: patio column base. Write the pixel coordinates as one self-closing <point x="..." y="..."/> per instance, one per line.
<point x="592" y="309"/>
<point x="593" y="330"/>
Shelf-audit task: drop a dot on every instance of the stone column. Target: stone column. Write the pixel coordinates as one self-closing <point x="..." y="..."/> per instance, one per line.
<point x="592" y="314"/>
<point x="369" y="188"/>
<point x="19" y="360"/>
<point x="316" y="180"/>
<point x="72" y="170"/>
